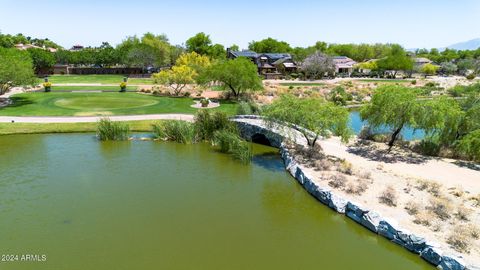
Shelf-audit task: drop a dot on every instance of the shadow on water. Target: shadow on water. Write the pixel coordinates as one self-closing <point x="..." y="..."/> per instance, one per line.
<point x="269" y="161"/>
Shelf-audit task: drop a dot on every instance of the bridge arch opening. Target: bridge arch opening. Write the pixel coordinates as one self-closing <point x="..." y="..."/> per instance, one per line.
<point x="261" y="139"/>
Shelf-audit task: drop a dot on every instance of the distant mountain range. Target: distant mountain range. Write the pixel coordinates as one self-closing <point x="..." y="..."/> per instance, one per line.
<point x="467" y="45"/>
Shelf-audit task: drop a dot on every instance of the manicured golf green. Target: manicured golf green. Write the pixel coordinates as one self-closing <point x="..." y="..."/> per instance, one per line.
<point x="92" y="104"/>
<point x="104" y="79"/>
<point x="91" y="88"/>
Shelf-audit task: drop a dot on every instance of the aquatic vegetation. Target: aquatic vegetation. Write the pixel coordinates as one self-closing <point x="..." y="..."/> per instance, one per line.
<point x="229" y="142"/>
<point x="177" y="131"/>
<point x="108" y="130"/>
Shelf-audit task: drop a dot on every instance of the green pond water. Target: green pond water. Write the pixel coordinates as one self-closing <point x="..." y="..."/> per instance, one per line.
<point x="86" y="204"/>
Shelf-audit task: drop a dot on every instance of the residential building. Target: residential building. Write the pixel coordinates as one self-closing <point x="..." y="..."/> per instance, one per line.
<point x="344" y="66"/>
<point x="270" y="65"/>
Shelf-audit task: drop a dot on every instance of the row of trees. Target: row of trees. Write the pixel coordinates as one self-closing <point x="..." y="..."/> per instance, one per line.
<point x="358" y="52"/>
<point x="147" y="51"/>
<point x="155" y="51"/>
<point x="319" y="64"/>
<point x="448" y="123"/>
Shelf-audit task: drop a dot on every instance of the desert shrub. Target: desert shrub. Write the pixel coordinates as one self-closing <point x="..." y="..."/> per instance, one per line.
<point x="357" y="188"/>
<point x="441" y="207"/>
<point x="476" y="200"/>
<point x="431" y="187"/>
<point x="339" y="96"/>
<point x="414" y="82"/>
<point x="206" y="123"/>
<point x="365" y="175"/>
<point x="412" y="207"/>
<point x="345" y="167"/>
<point x="337" y="181"/>
<point x="460" y="239"/>
<point x="323" y="164"/>
<point x="389" y="196"/>
<point x="457" y="191"/>
<point x="470" y="76"/>
<point x="463" y="213"/>
<point x="424" y="218"/>
<point x="351" y="188"/>
<point x="290" y="87"/>
<point x="473" y="230"/>
<point x="306" y="154"/>
<point x="434" y="188"/>
<point x="229" y="142"/>
<point x="108" y="130"/>
<point x="177" y="131"/>
<point x="422" y="184"/>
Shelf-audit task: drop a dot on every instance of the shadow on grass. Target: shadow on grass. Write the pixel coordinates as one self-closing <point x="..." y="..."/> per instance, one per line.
<point x="369" y="151"/>
<point x="19" y="101"/>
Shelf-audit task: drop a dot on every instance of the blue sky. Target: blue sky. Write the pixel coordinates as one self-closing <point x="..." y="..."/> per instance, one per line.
<point x="412" y="23"/>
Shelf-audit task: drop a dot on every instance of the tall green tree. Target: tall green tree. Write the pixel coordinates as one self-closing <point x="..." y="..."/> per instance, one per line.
<point x="150" y="50"/>
<point x="392" y="106"/>
<point x="217" y="51"/>
<point x="396" y="61"/>
<point x="200" y="43"/>
<point x="269" y="45"/>
<point x="238" y="75"/>
<point x="42" y="59"/>
<point x="16" y="69"/>
<point x="160" y="48"/>
<point x="315" y="117"/>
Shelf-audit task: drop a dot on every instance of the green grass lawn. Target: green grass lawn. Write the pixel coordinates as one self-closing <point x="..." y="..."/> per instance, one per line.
<point x="92" y="104"/>
<point x="386" y="80"/>
<point x="30" y="128"/>
<point x="104" y="79"/>
<point x="301" y="84"/>
<point x="91" y="88"/>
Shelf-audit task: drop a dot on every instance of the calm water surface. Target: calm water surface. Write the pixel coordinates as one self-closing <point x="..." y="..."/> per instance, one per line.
<point x="147" y="205"/>
<point x="407" y="133"/>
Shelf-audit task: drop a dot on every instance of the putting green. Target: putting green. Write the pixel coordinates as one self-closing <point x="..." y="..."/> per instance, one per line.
<point x="102" y="103"/>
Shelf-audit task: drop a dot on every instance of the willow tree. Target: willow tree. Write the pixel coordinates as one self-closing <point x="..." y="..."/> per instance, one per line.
<point x="392" y="106"/>
<point x="312" y="117"/>
<point x="16" y="69"/>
